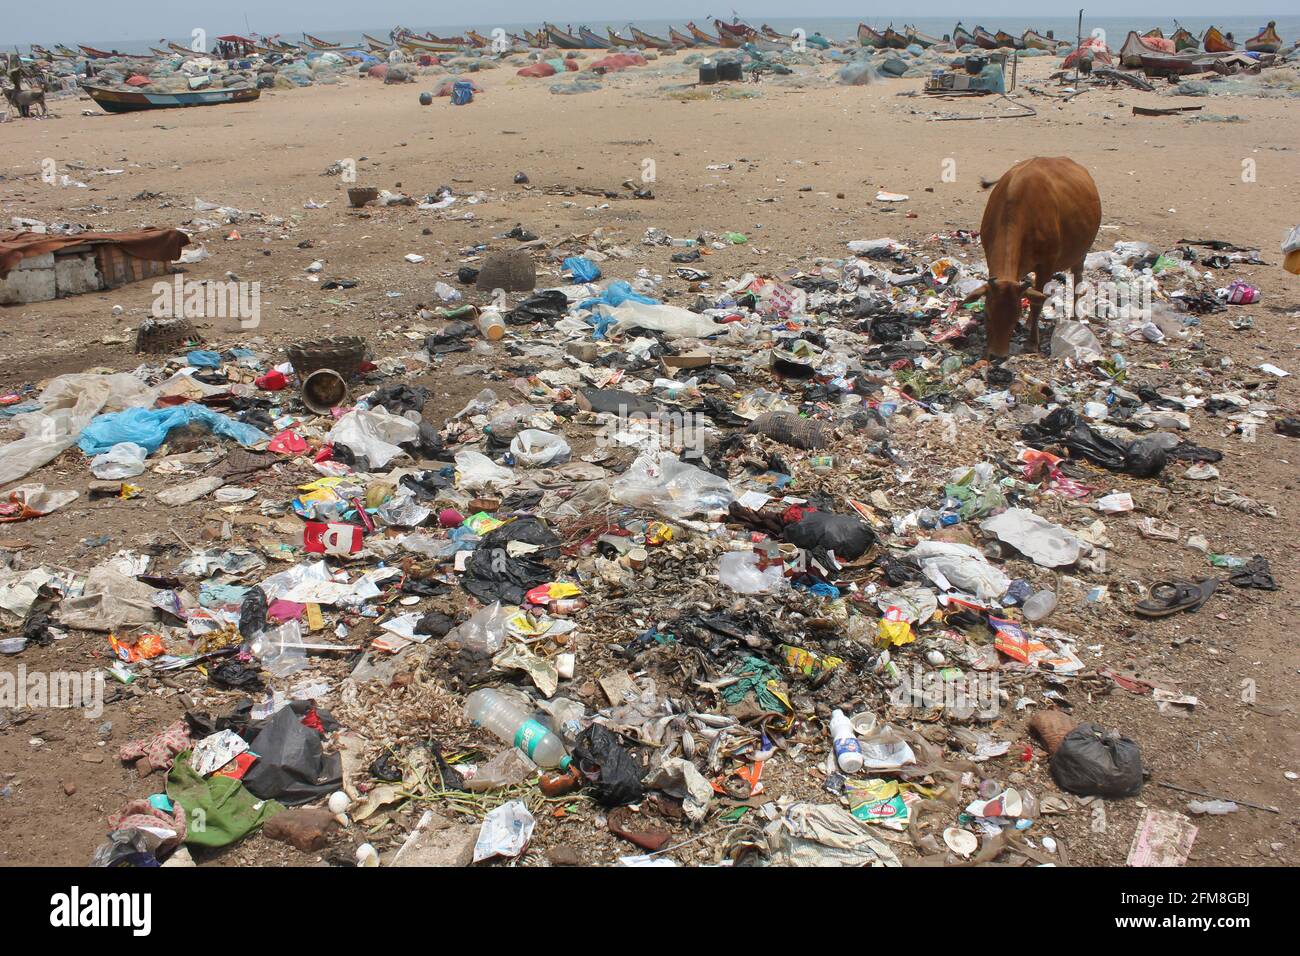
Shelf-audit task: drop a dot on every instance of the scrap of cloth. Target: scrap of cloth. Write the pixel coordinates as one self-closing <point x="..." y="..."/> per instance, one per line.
<point x="143" y="815"/>
<point x="160" y="749"/>
<point x="228" y="810"/>
<point x="161" y="245"/>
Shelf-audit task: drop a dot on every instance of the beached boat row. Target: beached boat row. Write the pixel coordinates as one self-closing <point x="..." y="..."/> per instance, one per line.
<point x="1182" y="43"/>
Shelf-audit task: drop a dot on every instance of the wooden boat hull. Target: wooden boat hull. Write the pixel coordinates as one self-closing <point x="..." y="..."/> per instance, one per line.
<point x="1136" y="47"/>
<point x="870" y="38"/>
<point x="1007" y="40"/>
<point x="734" y="34"/>
<point x="645" y="39"/>
<point x="893" y="39"/>
<point x="417" y="45"/>
<point x="619" y="42"/>
<point x="1154" y="32"/>
<point x="985" y="40"/>
<point x="680" y="39"/>
<point x="594" y="42"/>
<point x="124" y="101"/>
<point x="962" y="37"/>
<point x="702" y="38"/>
<point x="95" y="54"/>
<point x="1266" y="41"/>
<point x="923" y="40"/>
<point x="1183" y="41"/>
<point x="1174" y="64"/>
<point x="560" y="39"/>
<point x="477" y="40"/>
<point x="1215" y="42"/>
<point x="1036" y="41"/>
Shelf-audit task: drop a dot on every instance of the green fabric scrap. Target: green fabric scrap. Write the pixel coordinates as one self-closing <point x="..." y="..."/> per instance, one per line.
<point x="218" y="810"/>
<point x="754" y="673"/>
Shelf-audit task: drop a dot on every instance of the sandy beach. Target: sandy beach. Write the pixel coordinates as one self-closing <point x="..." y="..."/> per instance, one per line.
<point x="797" y="163"/>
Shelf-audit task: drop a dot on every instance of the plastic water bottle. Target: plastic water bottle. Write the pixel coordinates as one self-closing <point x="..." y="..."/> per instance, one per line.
<point x="1040" y="606"/>
<point x="490" y="324"/>
<point x="513" y="723"/>
<point x="848" y="752"/>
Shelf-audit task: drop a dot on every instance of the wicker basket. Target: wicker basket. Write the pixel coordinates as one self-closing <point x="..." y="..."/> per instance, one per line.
<point x="165" y="335"/>
<point x="512" y="271"/>
<point x="343" y="354"/>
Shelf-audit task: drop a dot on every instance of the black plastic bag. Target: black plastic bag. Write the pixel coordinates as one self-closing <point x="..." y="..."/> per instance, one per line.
<point x="549" y="306"/>
<point x="292" y="767"/>
<point x="847" y="535"/>
<point x="491" y="574"/>
<point x="608" y="768"/>
<point x="252" y="613"/>
<point x="1092" y="762"/>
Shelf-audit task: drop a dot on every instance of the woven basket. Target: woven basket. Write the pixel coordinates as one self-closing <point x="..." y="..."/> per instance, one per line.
<point x="512" y="271"/>
<point x="343" y="354"/>
<point x="165" y="335"/>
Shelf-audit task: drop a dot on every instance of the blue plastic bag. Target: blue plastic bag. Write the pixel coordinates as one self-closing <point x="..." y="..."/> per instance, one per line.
<point x="615" y="294"/>
<point x="462" y="92"/>
<point x="582" y="269"/>
<point x="149" y="427"/>
<point x="202" y="358"/>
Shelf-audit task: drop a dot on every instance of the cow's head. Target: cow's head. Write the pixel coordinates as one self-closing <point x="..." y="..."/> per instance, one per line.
<point x="1001" y="312"/>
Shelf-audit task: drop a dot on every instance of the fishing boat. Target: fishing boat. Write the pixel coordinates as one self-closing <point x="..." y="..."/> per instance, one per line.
<point x="1033" y="40"/>
<point x="1154" y="33"/>
<point x="157" y="52"/>
<point x="1266" y="40"/>
<point x="737" y="32"/>
<point x="560" y="39"/>
<point x="1136" y="47"/>
<point x="985" y="40"/>
<point x="702" y="38"/>
<point x="477" y="40"/>
<point x="450" y="41"/>
<point x="618" y="42"/>
<point x="681" y="39"/>
<point x="537" y="39"/>
<point x="645" y="39"/>
<point x="64" y="52"/>
<point x="1184" y="41"/>
<point x="592" y="41"/>
<point x="1215" y="42"/>
<point x="129" y="101"/>
<point x="770" y="33"/>
<point x="923" y="40"/>
<point x="870" y="38"/>
<point x="961" y="36"/>
<point x="377" y="45"/>
<point x="1007" y="40"/>
<point x="414" y="44"/>
<point x="40" y="53"/>
<point x="893" y="39"/>
<point x="316" y="45"/>
<point x="95" y="54"/>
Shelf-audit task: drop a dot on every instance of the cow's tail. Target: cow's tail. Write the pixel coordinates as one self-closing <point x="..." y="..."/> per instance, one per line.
<point x="988" y="183"/>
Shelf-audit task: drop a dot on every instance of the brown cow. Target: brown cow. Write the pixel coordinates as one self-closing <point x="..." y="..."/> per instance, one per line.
<point x="1042" y="217"/>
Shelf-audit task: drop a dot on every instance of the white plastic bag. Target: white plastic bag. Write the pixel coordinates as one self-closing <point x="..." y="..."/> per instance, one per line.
<point x="739" y="571"/>
<point x="68" y="404"/>
<point x="477" y="472"/>
<point x="534" y="448"/>
<point x="961" y="566"/>
<point x="1046" y="544"/>
<point x="668" y="485"/>
<point x="123" y="460"/>
<point x="673" y="321"/>
<point x="374" y="433"/>
<point x="484" y="632"/>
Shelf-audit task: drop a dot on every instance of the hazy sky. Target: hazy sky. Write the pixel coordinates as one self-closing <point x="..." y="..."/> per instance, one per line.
<point x="72" y="21"/>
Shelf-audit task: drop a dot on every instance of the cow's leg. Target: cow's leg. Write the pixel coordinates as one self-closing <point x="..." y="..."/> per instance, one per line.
<point x="1036" y="307"/>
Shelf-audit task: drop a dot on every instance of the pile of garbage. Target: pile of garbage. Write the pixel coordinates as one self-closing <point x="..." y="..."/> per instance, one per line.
<point x="749" y="571"/>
